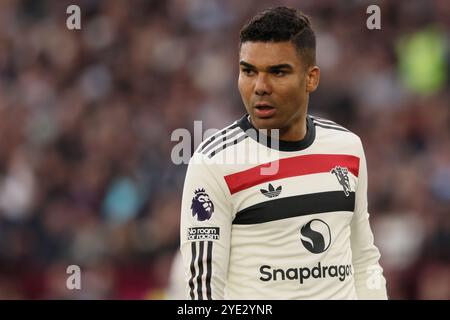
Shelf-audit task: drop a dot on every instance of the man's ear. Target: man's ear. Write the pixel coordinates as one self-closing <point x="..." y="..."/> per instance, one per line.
<point x="312" y="78"/>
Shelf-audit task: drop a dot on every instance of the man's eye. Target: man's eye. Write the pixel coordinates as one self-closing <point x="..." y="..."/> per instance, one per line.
<point x="278" y="73"/>
<point x="247" y="71"/>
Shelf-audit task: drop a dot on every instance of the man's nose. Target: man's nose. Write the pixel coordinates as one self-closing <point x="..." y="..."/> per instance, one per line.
<point x="262" y="86"/>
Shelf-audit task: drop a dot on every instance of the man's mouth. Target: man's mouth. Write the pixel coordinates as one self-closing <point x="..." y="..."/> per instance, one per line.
<point x="264" y="110"/>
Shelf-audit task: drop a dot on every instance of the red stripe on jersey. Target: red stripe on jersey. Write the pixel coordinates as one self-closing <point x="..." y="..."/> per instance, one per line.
<point x="291" y="167"/>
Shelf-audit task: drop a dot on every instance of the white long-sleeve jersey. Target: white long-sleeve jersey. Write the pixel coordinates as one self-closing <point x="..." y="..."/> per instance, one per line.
<point x="287" y="221"/>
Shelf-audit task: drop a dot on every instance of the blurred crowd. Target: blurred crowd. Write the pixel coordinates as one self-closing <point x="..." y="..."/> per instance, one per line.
<point x="86" y="117"/>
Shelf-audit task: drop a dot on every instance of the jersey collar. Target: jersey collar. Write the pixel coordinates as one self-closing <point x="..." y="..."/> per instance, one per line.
<point x="308" y="139"/>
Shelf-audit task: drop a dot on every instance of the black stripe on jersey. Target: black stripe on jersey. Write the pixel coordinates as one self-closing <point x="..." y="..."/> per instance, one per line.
<point x="221" y="139"/>
<point x="324" y="121"/>
<point x="209" y="270"/>
<point x="191" y="280"/>
<point x="217" y="135"/>
<point x="330" y="127"/>
<point x="200" y="271"/>
<point x="226" y="145"/>
<point x="327" y="122"/>
<point x="296" y="206"/>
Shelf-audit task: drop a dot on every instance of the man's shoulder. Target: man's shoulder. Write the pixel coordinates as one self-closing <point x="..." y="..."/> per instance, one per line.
<point x="220" y="140"/>
<point x="331" y="127"/>
<point x="328" y="131"/>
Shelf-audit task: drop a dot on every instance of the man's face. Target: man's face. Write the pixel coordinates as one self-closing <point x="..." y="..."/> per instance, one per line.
<point x="273" y="84"/>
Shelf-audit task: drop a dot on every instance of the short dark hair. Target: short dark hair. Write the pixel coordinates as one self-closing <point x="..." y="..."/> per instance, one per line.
<point x="282" y="24"/>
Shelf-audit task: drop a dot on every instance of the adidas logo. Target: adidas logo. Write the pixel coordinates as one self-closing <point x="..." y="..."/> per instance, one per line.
<point x="271" y="193"/>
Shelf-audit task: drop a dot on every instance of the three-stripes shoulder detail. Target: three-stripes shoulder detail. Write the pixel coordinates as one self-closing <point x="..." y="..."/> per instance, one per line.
<point x="327" y="124"/>
<point x="221" y="140"/>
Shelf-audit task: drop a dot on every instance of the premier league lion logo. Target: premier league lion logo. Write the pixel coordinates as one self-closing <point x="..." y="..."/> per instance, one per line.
<point x="342" y="176"/>
<point x="202" y="206"/>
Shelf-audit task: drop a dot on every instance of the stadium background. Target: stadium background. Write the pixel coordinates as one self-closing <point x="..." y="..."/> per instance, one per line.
<point x="86" y="118"/>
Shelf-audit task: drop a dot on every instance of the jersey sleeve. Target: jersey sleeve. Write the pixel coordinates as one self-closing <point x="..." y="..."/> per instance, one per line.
<point x="368" y="274"/>
<point x="206" y="217"/>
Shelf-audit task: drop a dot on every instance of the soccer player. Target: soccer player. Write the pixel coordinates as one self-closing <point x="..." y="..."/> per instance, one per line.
<point x="294" y="225"/>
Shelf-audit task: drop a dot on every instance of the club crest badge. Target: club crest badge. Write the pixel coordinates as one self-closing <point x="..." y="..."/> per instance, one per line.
<point x="341" y="174"/>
